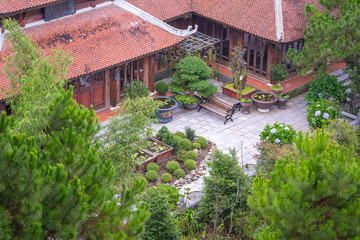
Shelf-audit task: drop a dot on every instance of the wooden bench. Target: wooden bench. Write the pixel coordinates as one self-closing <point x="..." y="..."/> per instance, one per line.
<point x="219" y="106"/>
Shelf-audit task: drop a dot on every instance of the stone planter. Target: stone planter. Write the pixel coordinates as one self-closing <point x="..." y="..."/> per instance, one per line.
<point x="191" y="106"/>
<point x="232" y="93"/>
<point x="165" y="114"/>
<point x="264" y="106"/>
<point x="282" y="103"/>
<point x="246" y="106"/>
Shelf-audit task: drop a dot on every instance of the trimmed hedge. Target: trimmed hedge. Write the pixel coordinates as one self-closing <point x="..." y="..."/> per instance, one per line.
<point x="180" y="134"/>
<point x="152" y="175"/>
<point x="185" y="144"/>
<point x="172" y="166"/>
<point x="190" y="164"/>
<point x="162" y="87"/>
<point x="166" y="177"/>
<point x="152" y="166"/>
<point x="196" y="145"/>
<point x="191" y="155"/>
<point x="179" y="173"/>
<point x="203" y="142"/>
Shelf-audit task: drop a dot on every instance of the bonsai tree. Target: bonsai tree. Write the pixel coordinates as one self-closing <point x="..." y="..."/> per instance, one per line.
<point x="191" y="75"/>
<point x="278" y="73"/>
<point x="238" y="69"/>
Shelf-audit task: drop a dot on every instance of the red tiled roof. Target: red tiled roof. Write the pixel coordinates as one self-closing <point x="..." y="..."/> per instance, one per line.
<point x="97" y="39"/>
<point x="9" y="6"/>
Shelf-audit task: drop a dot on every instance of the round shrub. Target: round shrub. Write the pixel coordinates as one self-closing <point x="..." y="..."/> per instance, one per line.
<point x="152" y="175"/>
<point x="321" y="111"/>
<point x="180" y="134"/>
<point x="278" y="133"/>
<point x="196" y="145"/>
<point x="179" y="173"/>
<point x="152" y="166"/>
<point x="162" y="87"/>
<point x="185" y="144"/>
<point x="203" y="142"/>
<point x="191" y="155"/>
<point x="172" y="166"/>
<point x="190" y="164"/>
<point x="166" y="177"/>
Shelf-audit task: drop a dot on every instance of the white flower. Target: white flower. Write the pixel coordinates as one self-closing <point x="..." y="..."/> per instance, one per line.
<point x="326" y="116"/>
<point x="286" y="128"/>
<point x="317" y="113"/>
<point x="313" y="119"/>
<point x="273" y="131"/>
<point x="330" y="107"/>
<point x="277" y="140"/>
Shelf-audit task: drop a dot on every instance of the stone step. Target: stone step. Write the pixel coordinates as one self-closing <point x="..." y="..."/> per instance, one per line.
<point x="347" y="82"/>
<point x="338" y="72"/>
<point x="343" y="77"/>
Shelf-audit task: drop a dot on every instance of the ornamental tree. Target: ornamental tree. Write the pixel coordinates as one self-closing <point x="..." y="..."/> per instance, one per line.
<point x="191" y="75"/>
<point x="311" y="195"/>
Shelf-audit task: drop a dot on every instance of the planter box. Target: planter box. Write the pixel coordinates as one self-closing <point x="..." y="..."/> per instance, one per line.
<point x="232" y="93"/>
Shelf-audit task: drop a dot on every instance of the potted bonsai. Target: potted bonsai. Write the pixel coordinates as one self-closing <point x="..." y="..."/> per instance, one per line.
<point x="162" y="88"/>
<point x="165" y="113"/>
<point x="246" y="104"/>
<point x="278" y="74"/>
<point x="192" y="75"/>
<point x="264" y="101"/>
<point x="283" y="98"/>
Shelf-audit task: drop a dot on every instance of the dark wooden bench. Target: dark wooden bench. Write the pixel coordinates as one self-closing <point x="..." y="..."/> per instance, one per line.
<point x="219" y="106"/>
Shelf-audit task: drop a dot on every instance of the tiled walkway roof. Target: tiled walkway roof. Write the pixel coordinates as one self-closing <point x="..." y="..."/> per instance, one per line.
<point x="98" y="39"/>
<point x="9" y="6"/>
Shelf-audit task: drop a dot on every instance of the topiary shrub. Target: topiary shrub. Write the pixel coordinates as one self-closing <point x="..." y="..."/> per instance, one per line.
<point x="151" y="175"/>
<point x="191" y="155"/>
<point x="180" y="134"/>
<point x="166" y="177"/>
<point x="203" y="142"/>
<point x="196" y="145"/>
<point x="172" y="166"/>
<point x="185" y="144"/>
<point x="162" y="132"/>
<point x="179" y="173"/>
<point x="190" y="164"/>
<point x="152" y="166"/>
<point x="161" y="87"/>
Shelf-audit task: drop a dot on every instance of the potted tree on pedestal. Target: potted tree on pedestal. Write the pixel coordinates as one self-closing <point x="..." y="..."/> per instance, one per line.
<point x="192" y="75"/>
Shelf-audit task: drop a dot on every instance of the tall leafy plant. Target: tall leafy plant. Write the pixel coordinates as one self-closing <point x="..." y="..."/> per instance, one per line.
<point x="278" y="73"/>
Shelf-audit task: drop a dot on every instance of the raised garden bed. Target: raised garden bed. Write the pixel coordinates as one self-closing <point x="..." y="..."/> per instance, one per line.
<point x="229" y="90"/>
<point x="155" y="151"/>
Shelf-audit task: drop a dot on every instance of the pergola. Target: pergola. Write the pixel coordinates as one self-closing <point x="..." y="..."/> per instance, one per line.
<point x="198" y="41"/>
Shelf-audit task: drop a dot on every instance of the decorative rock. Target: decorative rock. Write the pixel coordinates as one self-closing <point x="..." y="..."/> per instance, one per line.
<point x="195" y="178"/>
<point x="183" y="181"/>
<point x="176" y="182"/>
<point x="193" y="172"/>
<point x="196" y="150"/>
<point x="187" y="177"/>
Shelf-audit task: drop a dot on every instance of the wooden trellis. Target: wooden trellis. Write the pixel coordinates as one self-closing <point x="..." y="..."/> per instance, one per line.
<point x="198" y="41"/>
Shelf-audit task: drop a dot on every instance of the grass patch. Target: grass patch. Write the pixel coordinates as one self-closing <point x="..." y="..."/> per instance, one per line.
<point x="246" y="90"/>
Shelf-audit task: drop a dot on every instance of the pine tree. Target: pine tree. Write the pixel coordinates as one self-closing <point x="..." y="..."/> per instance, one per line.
<point x="313" y="195"/>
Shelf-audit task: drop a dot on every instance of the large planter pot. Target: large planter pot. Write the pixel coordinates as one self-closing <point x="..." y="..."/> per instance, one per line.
<point x="191" y="106"/>
<point x="282" y="103"/>
<point x="264" y="106"/>
<point x="165" y="114"/>
<point x="245" y="106"/>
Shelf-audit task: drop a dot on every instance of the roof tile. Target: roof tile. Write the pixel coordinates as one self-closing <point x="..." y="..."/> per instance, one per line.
<point x="9" y="6"/>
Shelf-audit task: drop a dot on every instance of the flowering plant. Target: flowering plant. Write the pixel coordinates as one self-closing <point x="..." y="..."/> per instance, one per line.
<point x="321" y="111"/>
<point x="278" y="133"/>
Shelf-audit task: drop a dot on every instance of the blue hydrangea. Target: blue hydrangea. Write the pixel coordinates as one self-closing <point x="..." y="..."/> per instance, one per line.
<point x="277" y="140"/>
<point x="317" y="113"/>
<point x="273" y="131"/>
<point x="326" y="115"/>
<point x="320" y="94"/>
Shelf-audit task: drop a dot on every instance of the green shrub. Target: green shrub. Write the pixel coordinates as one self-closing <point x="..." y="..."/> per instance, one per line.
<point x="152" y="166"/>
<point x="190" y="133"/>
<point x="179" y="173"/>
<point x="191" y="155"/>
<point x="151" y="175"/>
<point x="162" y="87"/>
<point x="196" y="145"/>
<point x="203" y="142"/>
<point x="162" y="132"/>
<point x="172" y="166"/>
<point x="278" y="133"/>
<point x="168" y="138"/>
<point x="186" y="99"/>
<point x="185" y="144"/>
<point x="190" y="164"/>
<point x="278" y="72"/>
<point x="166" y="177"/>
<point x="180" y="134"/>
<point x="172" y="193"/>
<point x="321" y="111"/>
<point x="136" y="89"/>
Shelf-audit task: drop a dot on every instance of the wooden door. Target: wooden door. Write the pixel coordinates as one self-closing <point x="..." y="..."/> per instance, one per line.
<point x="98" y="90"/>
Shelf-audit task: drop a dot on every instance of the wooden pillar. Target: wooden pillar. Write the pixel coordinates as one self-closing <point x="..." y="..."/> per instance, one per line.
<point x="93" y="3"/>
<point x="213" y="29"/>
<point x="152" y="73"/>
<point x="21" y="18"/>
<point x="255" y="53"/>
<point x="269" y="59"/>
<point x="231" y="42"/>
<point x="107" y="88"/>
<point x="241" y="39"/>
<point x="2" y="106"/>
<point x="146" y="66"/>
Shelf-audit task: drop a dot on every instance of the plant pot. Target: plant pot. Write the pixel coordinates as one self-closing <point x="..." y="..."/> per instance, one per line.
<point x="164" y="115"/>
<point x="246" y="107"/>
<point x="162" y="94"/>
<point x="264" y="106"/>
<point x="282" y="103"/>
<point x="277" y="91"/>
<point x="191" y="106"/>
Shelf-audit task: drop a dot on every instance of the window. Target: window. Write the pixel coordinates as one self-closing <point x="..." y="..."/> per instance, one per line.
<point x="65" y="8"/>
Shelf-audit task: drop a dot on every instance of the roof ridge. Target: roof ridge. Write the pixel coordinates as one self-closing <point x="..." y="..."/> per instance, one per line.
<point x="279" y="24"/>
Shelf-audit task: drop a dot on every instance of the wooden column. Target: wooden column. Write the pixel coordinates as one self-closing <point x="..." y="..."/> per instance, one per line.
<point x="107" y="88"/>
<point x="146" y="66"/>
<point x="152" y="73"/>
<point x="241" y="39"/>
<point x="269" y="59"/>
<point x="231" y="42"/>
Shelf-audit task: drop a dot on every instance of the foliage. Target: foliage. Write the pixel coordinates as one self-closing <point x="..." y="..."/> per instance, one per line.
<point x="326" y="86"/>
<point x="264" y="97"/>
<point x="162" y="87"/>
<point x="190" y="164"/>
<point x="162" y="132"/>
<point x="269" y="153"/>
<point x="188" y="223"/>
<point x="133" y="122"/>
<point x="186" y="99"/>
<point x="283" y="95"/>
<point x="321" y="111"/>
<point x="172" y="166"/>
<point x="189" y="133"/>
<point x="179" y="173"/>
<point x="185" y="144"/>
<point x="245" y="100"/>
<point x="276" y="87"/>
<point x="172" y="193"/>
<point x="152" y="166"/>
<point x="36" y="80"/>
<point x="180" y="134"/>
<point x="151" y="175"/>
<point x="278" y="133"/>
<point x="331" y="36"/>
<point x="311" y="196"/>
<point x="192" y="75"/>
<point x="191" y="155"/>
<point x="225" y="190"/>
<point x="278" y="73"/>
<point x="136" y="89"/>
<point x="203" y="142"/>
<point x="161" y="224"/>
<point x="196" y="145"/>
<point x="168" y="138"/>
<point x="166" y="177"/>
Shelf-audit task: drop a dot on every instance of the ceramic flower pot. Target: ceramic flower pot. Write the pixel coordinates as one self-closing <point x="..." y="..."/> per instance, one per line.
<point x="165" y="114"/>
<point x="264" y="105"/>
<point x="282" y="103"/>
<point x="191" y="106"/>
<point x="246" y="106"/>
